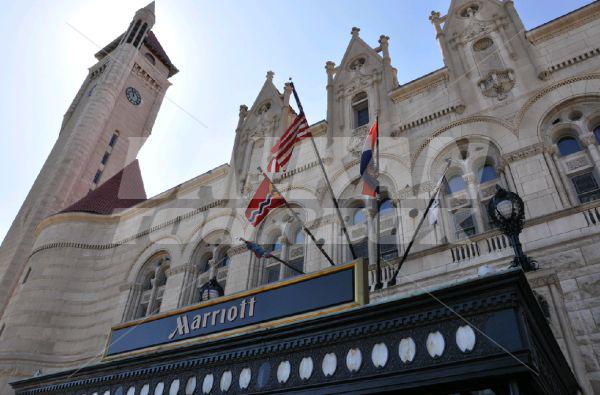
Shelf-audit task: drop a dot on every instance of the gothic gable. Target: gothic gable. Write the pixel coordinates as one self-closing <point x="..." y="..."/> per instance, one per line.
<point x="359" y="63"/>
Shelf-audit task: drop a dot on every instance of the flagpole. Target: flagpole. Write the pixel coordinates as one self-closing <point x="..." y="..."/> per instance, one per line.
<point x="378" y="282"/>
<point x="297" y="217"/>
<point x="329" y="187"/>
<point x="392" y="280"/>
<point x="278" y="259"/>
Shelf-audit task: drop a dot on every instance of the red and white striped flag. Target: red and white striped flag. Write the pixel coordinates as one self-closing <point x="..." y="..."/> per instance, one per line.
<point x="282" y="151"/>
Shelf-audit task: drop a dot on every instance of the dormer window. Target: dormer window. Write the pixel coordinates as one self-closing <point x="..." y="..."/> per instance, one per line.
<point x="264" y="108"/>
<point x="357" y="64"/>
<point x="469" y="11"/>
<point x="360" y="109"/>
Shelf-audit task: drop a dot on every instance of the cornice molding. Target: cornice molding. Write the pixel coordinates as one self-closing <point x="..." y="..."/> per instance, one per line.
<point x="413" y="88"/>
<point x="565" y="23"/>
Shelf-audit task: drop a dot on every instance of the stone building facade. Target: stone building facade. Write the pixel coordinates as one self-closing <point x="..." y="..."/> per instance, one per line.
<point x="511" y="107"/>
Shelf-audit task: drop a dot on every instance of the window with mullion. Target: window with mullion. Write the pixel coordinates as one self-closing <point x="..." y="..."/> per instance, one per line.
<point x="586" y="187"/>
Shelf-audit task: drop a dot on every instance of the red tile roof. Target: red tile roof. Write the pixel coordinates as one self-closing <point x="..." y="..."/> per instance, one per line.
<point x="123" y="190"/>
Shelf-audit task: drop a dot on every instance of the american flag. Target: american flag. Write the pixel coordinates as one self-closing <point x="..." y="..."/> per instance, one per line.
<point x="282" y="151"/>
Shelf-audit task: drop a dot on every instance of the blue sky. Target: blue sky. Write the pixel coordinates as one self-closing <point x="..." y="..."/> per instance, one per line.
<point x="223" y="50"/>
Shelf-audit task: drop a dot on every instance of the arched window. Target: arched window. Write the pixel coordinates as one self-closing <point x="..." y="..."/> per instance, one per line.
<point x="487" y="173"/>
<point x="464" y="223"/>
<point x="299" y="238"/>
<point x="597" y="134"/>
<point x="213" y="250"/>
<point x="486" y="55"/>
<point x="359" y="217"/>
<point x="386" y="207"/>
<point x="275" y="246"/>
<point x="296" y="253"/>
<point x="360" y="109"/>
<point x="568" y="145"/>
<point x="456" y="184"/>
<point x="152" y="279"/>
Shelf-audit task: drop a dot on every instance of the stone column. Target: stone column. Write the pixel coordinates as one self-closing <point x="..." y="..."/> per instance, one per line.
<point x="589" y="140"/>
<point x="285" y="253"/>
<point x="474" y="196"/>
<point x="188" y="285"/>
<point x="371" y="213"/>
<point x="285" y="109"/>
<point x="550" y="157"/>
<point x="330" y="68"/>
<point x="510" y="181"/>
<point x="571" y="345"/>
<point x="133" y="301"/>
<point x="152" y="299"/>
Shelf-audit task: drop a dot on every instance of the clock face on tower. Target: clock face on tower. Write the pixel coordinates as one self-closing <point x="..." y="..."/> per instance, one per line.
<point x="133" y="96"/>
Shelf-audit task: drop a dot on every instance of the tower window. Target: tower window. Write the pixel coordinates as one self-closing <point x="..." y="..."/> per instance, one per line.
<point x="105" y="158"/>
<point x="97" y="176"/>
<point x="113" y="139"/>
<point x="149" y="58"/>
<point x="360" y="107"/>
<point x="586" y="187"/>
<point x="26" y="276"/>
<point x="568" y="146"/>
<point x="140" y="34"/>
<point x="133" y="31"/>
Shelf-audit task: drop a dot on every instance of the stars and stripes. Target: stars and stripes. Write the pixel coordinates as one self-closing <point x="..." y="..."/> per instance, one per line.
<point x="264" y="200"/>
<point x="282" y="151"/>
<point x="367" y="163"/>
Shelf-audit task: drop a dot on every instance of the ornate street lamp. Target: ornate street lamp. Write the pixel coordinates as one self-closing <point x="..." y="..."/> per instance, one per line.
<point x="507" y="211"/>
<point x="211" y="290"/>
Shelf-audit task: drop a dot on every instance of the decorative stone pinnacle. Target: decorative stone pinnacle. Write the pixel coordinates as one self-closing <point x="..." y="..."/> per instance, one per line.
<point x="355" y="31"/>
<point x="330" y="67"/>
<point x="434" y="17"/>
<point x="383" y="39"/>
<point x="270" y="75"/>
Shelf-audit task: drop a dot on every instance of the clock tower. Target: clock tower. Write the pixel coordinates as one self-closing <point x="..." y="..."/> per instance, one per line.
<point x="103" y="129"/>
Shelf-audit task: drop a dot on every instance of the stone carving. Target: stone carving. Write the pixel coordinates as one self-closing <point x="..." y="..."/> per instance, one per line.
<point x="283" y="372"/>
<point x="379" y="355"/>
<point x="329" y="364"/>
<point x="475" y="31"/>
<point x="435" y="344"/>
<point x="356" y="140"/>
<point x="465" y="338"/>
<point x="306" y="368"/>
<point x="577" y="163"/>
<point x="523" y="153"/>
<point x="354" y="359"/>
<point x="497" y="83"/>
<point x="407" y="350"/>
